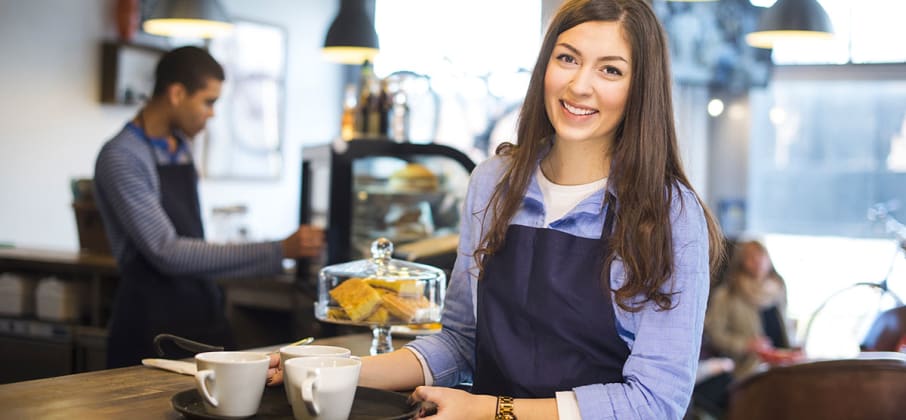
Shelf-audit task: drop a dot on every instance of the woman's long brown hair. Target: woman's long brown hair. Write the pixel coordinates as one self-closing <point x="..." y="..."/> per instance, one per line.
<point x="645" y="171"/>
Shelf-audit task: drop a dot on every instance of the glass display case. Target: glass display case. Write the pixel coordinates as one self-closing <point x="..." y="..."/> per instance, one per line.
<point x="365" y="189"/>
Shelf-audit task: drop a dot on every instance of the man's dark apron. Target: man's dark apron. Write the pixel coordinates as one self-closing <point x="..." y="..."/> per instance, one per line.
<point x="545" y="317"/>
<point x="149" y="302"/>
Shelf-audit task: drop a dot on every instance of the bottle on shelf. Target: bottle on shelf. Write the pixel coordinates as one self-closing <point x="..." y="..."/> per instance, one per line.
<point x="373" y="109"/>
<point x="365" y="98"/>
<point x="385" y="103"/>
<point x="398" y="114"/>
<point x="348" y="120"/>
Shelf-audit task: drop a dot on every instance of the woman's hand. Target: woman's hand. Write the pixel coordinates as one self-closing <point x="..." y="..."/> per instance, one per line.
<point x="781" y="356"/>
<point x="455" y="404"/>
<point x="274" y="374"/>
<point x="759" y="344"/>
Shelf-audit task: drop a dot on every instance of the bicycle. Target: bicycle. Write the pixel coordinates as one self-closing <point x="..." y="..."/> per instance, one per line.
<point x="838" y="326"/>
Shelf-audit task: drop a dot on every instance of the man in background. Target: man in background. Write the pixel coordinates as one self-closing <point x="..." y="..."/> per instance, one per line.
<point x="146" y="189"/>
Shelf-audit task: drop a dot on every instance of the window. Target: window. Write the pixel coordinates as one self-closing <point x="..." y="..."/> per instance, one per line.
<point x="827" y="143"/>
<point x="473" y="54"/>
<point x="824" y="151"/>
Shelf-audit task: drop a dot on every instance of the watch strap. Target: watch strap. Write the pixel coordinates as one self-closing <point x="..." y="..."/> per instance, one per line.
<point x="505" y="408"/>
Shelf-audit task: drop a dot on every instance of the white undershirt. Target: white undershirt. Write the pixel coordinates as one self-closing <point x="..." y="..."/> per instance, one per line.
<point x="560" y="199"/>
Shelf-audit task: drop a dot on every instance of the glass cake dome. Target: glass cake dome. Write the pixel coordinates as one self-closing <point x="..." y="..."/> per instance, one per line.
<point x="380" y="292"/>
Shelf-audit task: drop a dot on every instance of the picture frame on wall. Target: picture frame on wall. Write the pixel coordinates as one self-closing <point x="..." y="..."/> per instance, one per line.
<point x="244" y="138"/>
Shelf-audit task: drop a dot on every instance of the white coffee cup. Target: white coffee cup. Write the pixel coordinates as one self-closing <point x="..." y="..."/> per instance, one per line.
<point x="231" y="383"/>
<point x="291" y="352"/>
<point x="323" y="388"/>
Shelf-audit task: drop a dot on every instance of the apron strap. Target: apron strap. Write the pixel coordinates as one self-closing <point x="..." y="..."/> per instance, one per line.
<point x="609" y="204"/>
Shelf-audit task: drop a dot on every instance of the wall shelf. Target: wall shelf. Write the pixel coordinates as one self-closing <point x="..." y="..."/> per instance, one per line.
<point x="127" y="72"/>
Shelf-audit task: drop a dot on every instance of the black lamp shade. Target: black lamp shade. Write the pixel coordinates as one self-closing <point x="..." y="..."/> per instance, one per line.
<point x="351" y="38"/>
<point x="800" y="19"/>
<point x="188" y="18"/>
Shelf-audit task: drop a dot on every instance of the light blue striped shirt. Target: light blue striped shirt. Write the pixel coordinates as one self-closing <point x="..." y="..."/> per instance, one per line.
<point x="659" y="374"/>
<point x="127" y="192"/>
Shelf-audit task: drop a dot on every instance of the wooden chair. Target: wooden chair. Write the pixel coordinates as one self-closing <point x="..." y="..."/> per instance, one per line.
<point x="888" y="330"/>
<point x="826" y="390"/>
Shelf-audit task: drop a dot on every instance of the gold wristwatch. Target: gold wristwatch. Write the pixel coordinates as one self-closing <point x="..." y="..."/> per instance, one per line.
<point x="505" y="408"/>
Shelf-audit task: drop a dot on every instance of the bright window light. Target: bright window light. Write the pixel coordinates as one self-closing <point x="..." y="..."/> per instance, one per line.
<point x="865" y="31"/>
<point x="430" y="37"/>
<point x="474" y="53"/>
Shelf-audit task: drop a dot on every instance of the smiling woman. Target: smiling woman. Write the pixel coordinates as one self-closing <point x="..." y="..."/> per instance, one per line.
<point x="629" y="252"/>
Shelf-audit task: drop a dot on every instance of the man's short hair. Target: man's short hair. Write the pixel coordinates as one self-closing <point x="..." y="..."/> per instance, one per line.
<point x="189" y="66"/>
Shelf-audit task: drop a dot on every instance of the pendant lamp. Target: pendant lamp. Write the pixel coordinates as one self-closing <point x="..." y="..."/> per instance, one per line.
<point x="351" y="38"/>
<point x="188" y="18"/>
<point x="791" y="19"/>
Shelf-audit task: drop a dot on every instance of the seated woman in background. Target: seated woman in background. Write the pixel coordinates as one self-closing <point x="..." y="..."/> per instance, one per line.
<point x="746" y="318"/>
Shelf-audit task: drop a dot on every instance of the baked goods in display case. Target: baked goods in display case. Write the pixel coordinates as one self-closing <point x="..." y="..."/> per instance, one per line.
<point x="410" y="203"/>
<point x="413" y="178"/>
<point x="380" y="292"/>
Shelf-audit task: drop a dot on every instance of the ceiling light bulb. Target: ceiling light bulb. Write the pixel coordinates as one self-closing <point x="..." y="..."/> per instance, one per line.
<point x="715" y="107"/>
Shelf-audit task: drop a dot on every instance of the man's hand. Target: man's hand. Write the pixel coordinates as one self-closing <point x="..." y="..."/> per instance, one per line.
<point x="307" y="241"/>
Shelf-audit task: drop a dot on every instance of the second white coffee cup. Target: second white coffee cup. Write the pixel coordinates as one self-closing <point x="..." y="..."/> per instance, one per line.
<point x="322" y="388"/>
<point x="291" y="352"/>
<point x="231" y="383"/>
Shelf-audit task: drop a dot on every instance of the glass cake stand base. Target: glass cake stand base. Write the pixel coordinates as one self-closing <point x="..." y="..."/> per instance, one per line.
<point x="382" y="341"/>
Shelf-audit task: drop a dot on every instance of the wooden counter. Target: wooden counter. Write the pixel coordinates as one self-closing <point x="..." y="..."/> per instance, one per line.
<point x="134" y="392"/>
<point x="56" y="261"/>
<point x="83" y="266"/>
<point x="33" y="348"/>
<point x="262" y="310"/>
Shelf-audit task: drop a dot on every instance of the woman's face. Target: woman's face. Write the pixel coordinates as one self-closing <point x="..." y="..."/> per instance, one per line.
<point x="756" y="262"/>
<point x="587" y="82"/>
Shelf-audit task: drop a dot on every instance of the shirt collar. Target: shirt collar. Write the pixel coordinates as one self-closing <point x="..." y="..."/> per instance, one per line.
<point x="161" y="145"/>
<point x="593" y="205"/>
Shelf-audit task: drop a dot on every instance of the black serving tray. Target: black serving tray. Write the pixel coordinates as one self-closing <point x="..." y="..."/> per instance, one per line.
<point x="369" y="404"/>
